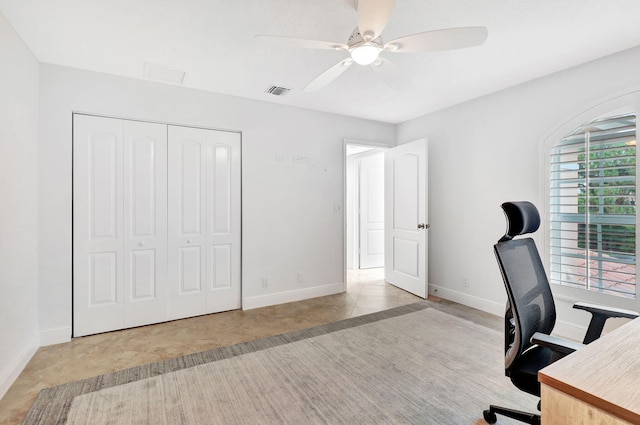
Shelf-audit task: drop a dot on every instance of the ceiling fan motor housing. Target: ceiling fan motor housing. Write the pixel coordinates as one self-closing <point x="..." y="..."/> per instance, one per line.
<point x="357" y="38"/>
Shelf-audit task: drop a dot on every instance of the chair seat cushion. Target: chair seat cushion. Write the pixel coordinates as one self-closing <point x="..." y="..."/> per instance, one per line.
<point x="524" y="371"/>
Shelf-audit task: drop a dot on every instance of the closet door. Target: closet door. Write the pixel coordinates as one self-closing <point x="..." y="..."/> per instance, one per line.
<point x="223" y="221"/>
<point x="204" y="221"/>
<point x="145" y="223"/>
<point x="119" y="224"/>
<point x="97" y="225"/>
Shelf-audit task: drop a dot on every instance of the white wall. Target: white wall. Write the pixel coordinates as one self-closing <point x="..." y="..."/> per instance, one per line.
<point x="18" y="205"/>
<point x="488" y="151"/>
<point x="289" y="223"/>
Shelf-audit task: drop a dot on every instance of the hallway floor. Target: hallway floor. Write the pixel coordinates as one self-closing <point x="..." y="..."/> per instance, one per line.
<point x="98" y="354"/>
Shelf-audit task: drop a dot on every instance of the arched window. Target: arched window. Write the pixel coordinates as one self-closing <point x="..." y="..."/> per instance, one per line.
<point x="593" y="207"/>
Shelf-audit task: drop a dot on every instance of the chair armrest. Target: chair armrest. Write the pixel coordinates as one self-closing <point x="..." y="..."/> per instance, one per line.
<point x="607" y="311"/>
<point x="560" y="346"/>
<point x="599" y="315"/>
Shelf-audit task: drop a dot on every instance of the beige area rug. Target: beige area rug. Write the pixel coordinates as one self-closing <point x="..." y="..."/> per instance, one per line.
<point x="410" y="365"/>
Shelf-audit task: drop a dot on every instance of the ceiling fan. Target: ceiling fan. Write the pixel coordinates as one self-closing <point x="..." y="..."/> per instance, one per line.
<point x="365" y="44"/>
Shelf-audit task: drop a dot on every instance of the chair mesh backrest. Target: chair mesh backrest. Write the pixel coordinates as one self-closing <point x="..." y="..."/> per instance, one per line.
<point x="528" y="291"/>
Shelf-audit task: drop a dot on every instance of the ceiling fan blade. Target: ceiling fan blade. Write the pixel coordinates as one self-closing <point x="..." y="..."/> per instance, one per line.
<point x="353" y="4"/>
<point x="391" y="75"/>
<point x="329" y="75"/>
<point x="304" y="43"/>
<point x="433" y="41"/>
<point x="373" y="16"/>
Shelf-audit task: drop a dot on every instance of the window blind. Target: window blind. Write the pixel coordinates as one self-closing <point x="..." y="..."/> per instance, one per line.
<point x="593" y="207"/>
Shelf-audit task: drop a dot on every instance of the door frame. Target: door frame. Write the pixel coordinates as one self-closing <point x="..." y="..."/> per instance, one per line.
<point x="352" y="142"/>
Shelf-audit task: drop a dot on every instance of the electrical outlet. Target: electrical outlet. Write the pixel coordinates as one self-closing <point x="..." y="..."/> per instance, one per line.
<point x="265" y="282"/>
<point x="300" y="277"/>
<point x="465" y="282"/>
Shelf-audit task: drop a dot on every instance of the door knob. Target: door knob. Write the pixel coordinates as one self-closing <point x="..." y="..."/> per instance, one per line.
<point x="140" y="243"/>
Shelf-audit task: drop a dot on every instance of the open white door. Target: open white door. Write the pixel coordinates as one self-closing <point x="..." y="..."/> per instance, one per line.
<point x="406" y="217"/>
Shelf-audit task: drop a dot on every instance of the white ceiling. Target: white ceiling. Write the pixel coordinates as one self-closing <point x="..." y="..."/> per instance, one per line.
<point x="213" y="42"/>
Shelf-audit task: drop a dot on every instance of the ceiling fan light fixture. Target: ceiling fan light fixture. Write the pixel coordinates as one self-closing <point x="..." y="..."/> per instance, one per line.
<point x="365" y="54"/>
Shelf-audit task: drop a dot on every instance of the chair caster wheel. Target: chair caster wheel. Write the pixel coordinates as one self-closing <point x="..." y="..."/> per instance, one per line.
<point x="489" y="417"/>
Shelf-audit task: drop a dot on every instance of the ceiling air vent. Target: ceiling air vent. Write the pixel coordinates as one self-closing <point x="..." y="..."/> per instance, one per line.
<point x="277" y="91"/>
<point x="163" y="73"/>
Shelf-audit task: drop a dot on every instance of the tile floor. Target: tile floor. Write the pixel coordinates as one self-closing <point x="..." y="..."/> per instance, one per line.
<point x="98" y="354"/>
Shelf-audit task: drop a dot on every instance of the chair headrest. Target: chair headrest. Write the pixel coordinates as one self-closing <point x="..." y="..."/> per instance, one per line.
<point x="522" y="217"/>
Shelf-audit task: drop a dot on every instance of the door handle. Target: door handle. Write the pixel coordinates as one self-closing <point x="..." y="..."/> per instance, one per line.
<point x="423" y="226"/>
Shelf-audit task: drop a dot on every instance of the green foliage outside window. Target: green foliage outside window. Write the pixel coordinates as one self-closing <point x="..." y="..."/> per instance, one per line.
<point x="609" y="193"/>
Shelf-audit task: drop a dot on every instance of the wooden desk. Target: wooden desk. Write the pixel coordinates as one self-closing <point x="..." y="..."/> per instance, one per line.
<point x="598" y="384"/>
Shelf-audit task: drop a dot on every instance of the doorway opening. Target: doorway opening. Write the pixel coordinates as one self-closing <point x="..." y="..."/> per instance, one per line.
<point x="384" y="234"/>
<point x="364" y="211"/>
<point x="365" y="207"/>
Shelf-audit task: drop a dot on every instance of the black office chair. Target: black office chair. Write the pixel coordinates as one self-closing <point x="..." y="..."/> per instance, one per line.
<point x="530" y="314"/>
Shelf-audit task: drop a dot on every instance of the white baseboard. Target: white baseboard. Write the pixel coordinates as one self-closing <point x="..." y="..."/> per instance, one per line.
<point x="563" y="329"/>
<point x="468" y="300"/>
<point x="249" y="303"/>
<point x="11" y="373"/>
<point x="55" y="336"/>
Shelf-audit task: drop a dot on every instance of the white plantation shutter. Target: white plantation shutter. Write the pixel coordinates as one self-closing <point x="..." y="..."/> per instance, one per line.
<point x="593" y="207"/>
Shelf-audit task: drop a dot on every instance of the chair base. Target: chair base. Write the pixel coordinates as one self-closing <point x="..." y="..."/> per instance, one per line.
<point x="490" y="415"/>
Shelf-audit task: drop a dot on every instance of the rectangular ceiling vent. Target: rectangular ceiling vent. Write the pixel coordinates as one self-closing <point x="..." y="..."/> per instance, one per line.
<point x="163" y="73"/>
<point x="278" y="91"/>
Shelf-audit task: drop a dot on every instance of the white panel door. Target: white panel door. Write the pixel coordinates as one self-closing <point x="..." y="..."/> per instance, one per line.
<point x="371" y="204"/>
<point x="186" y="213"/>
<point x="204" y="221"/>
<point x="145" y="223"/>
<point x="406" y="217"/>
<point x="223" y="235"/>
<point x="98" y="234"/>
<point x="119" y="224"/>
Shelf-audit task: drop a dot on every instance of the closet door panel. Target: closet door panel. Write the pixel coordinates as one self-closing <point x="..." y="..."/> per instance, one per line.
<point x="187" y="157"/>
<point x="104" y="166"/>
<point x="190" y="186"/>
<point x="143" y="182"/>
<point x="103" y="279"/>
<point x="189" y="270"/>
<point x="221" y="264"/>
<point x="219" y="209"/>
<point x="223" y="221"/>
<point x="143" y="276"/>
<point x="97" y="225"/>
<point x="220" y="181"/>
<point x="145" y="220"/>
